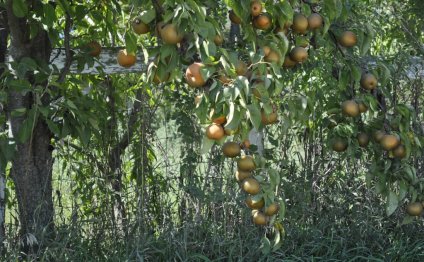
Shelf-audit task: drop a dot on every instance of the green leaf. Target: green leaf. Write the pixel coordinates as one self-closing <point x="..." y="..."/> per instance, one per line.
<point x="327" y="25"/>
<point x="277" y="243"/>
<point x="53" y="127"/>
<point x="233" y="118"/>
<point x="130" y="43"/>
<point x="20" y="85"/>
<point x="411" y="172"/>
<point x="206" y="72"/>
<point x="25" y="64"/>
<point x="202" y="110"/>
<point x="84" y="135"/>
<point x="49" y="15"/>
<point x="148" y="16"/>
<point x="286" y="10"/>
<point x="265" y="246"/>
<point x="27" y="126"/>
<point x="20" y="8"/>
<point x="282" y="212"/>
<point x="255" y="115"/>
<point x="366" y="43"/>
<point x="18" y="112"/>
<point x="355" y="71"/>
<point x="7" y="151"/>
<point x="392" y="203"/>
<point x="403" y="190"/>
<point x="206" y="145"/>
<point x="344" y="78"/>
<point x="330" y="9"/>
<point x="407" y="220"/>
<point x="71" y="104"/>
<point x="274" y="178"/>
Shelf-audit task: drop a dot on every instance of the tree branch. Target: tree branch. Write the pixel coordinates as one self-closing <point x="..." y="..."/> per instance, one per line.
<point x="68" y="53"/>
<point x="124" y="142"/>
<point x="334" y="38"/>
<point x="157" y="7"/>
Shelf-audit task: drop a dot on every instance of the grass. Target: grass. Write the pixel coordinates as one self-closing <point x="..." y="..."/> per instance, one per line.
<point x="210" y="241"/>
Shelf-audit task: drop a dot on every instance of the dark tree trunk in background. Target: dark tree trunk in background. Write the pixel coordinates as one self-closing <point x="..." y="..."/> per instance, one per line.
<point x="3" y="46"/>
<point x="115" y="159"/>
<point x="121" y="144"/>
<point x="32" y="165"/>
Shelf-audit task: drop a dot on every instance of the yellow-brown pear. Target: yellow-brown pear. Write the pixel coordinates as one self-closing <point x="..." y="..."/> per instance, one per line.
<point x="300" y="24"/>
<point x="348" y="39"/>
<point x="390" y="142"/>
<point x="254" y="204"/>
<point x="299" y="54"/>
<point x="231" y="149"/>
<point x="251" y="186"/>
<point x="260" y="219"/>
<point x="170" y="34"/>
<point x="414" y="209"/>
<point x="350" y="108"/>
<point x="315" y="21"/>
<point x="246" y="163"/>
<point x="215" y="132"/>
<point x="339" y="144"/>
<point x="368" y="81"/>
<point x="193" y="75"/>
<point x="272" y="209"/>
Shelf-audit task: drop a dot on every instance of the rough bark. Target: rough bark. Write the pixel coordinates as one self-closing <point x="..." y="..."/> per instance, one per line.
<point x="32" y="165"/>
<point x="3" y="46"/>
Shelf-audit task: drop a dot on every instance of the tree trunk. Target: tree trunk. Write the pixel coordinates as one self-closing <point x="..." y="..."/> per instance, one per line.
<point x="117" y="152"/>
<point x="32" y="165"/>
<point x="32" y="174"/>
<point x="3" y="46"/>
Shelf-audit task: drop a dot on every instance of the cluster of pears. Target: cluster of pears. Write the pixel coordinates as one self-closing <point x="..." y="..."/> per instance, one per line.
<point x="262" y="21"/>
<point x="217" y="130"/>
<point x="124" y="58"/>
<point x="167" y="32"/>
<point x="261" y="214"/>
<point x="390" y="142"/>
<point x="352" y="108"/>
<point x="300" y="25"/>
